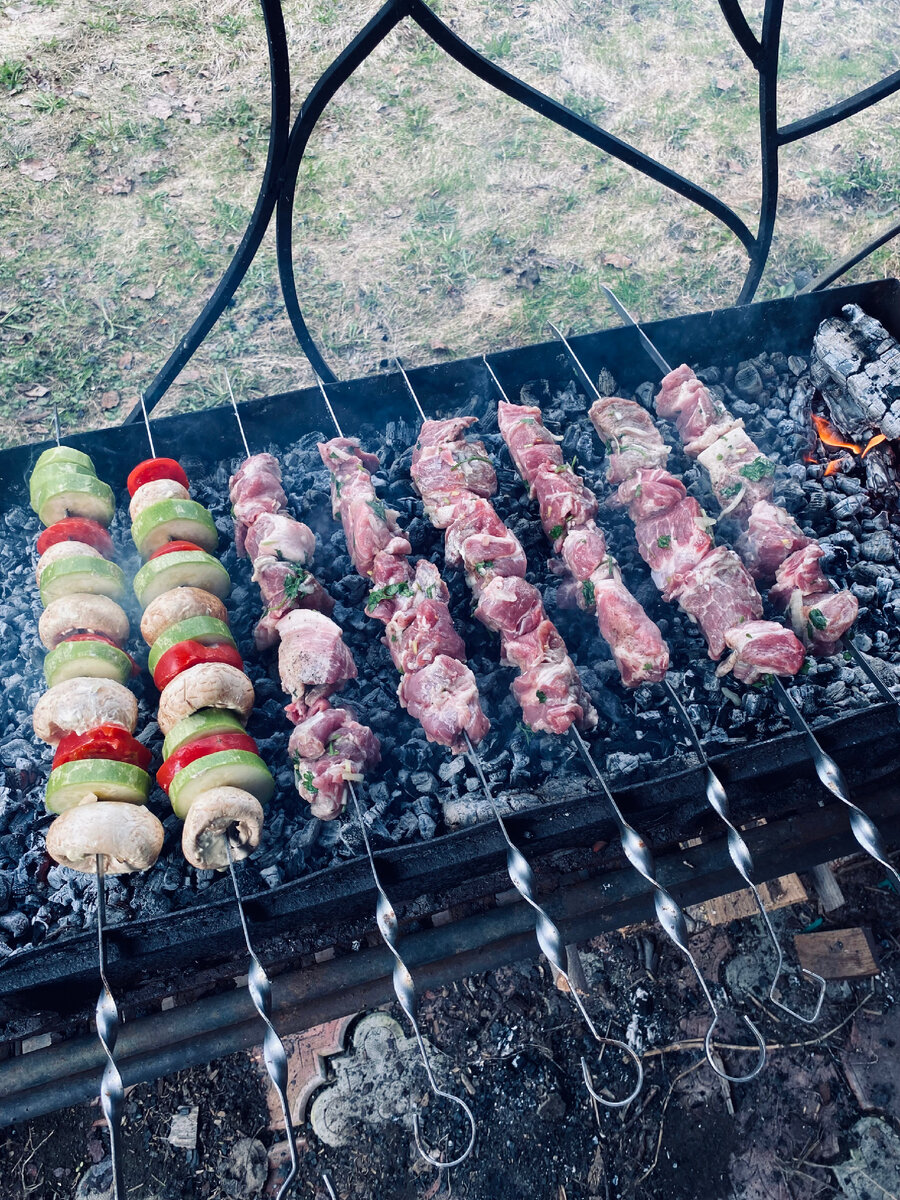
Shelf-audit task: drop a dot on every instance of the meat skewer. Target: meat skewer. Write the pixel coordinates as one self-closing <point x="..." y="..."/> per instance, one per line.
<point x="830" y="775"/>
<point x="323" y="778"/>
<point x="220" y="822"/>
<point x="635" y="847"/>
<point x="630" y="623"/>
<point x="520" y="873"/>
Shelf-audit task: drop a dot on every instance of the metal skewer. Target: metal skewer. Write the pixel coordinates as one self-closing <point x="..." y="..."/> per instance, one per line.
<point x="522" y="877"/>
<point x="717" y="798"/>
<point x="258" y="983"/>
<point x="829" y="773"/>
<point x="112" y="1089"/>
<point x="386" y="918"/>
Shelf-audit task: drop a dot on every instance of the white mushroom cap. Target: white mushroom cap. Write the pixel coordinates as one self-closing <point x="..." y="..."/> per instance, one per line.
<point x="128" y="836"/>
<point x="220" y="813"/>
<point x="150" y="493"/>
<point x="79" y="704"/>
<point x="82" y="612"/>
<point x="177" y="604"/>
<point x="206" y="685"/>
<point x="63" y="550"/>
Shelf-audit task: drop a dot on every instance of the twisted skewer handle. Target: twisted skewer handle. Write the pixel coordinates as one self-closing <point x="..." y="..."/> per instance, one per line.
<point x="864" y="828"/>
<point x="112" y="1089"/>
<point x="668" y="912"/>
<point x="260" y="988"/>
<point x="551" y="941"/>
<point x="405" y="991"/>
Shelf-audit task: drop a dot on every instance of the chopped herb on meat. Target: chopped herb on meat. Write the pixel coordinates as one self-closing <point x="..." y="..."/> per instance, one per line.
<point x="557" y="531"/>
<point x="542" y="696"/>
<point x="386" y="593"/>
<point x="587" y="590"/>
<point x="664" y="542"/>
<point x="817" y="619"/>
<point x="295" y="583"/>
<point x="377" y="507"/>
<point x="758" y="469"/>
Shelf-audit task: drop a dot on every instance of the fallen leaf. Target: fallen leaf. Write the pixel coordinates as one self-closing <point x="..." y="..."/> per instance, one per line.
<point x="158" y="107"/>
<point x="723" y="84"/>
<point x="37" y="391"/>
<point x="120" y="186"/>
<point x="619" y="261"/>
<point x="189" y="376"/>
<point x="393" y="213"/>
<point x="126" y="362"/>
<point x="440" y="348"/>
<point x="144" y="293"/>
<point x="110" y="400"/>
<point x="40" y="170"/>
<point x="168" y="83"/>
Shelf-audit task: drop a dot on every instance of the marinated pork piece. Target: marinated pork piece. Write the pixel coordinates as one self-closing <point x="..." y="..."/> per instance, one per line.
<point x="638" y="648"/>
<point x="446" y="472"/>
<point x="719" y="595"/>
<point x="443" y="698"/>
<point x="392" y="580"/>
<point x="369" y="526"/>
<point x="285" y="586"/>
<point x="632" y="440"/>
<point x="761" y="648"/>
<point x="565" y="503"/>
<point x="313" y="661"/>
<point x="584" y="553"/>
<point x="673" y="543"/>
<point x="820" y="616"/>
<point x="510" y="606"/>
<point x="278" y="535"/>
<point x="699" y="417"/>
<point x="329" y="749"/>
<point x="548" y="688"/>
<point x="479" y="542"/>
<point x="650" y="492"/>
<point x="416" y="636"/>
<point x="531" y="445"/>
<point x="771" y="536"/>
<point x="739" y="473"/>
<point x="254" y="489"/>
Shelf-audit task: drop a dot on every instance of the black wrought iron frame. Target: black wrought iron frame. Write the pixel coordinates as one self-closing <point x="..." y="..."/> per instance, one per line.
<point x="287" y="146"/>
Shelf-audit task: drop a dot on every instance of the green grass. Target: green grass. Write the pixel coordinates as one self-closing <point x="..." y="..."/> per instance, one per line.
<point x="426" y="202"/>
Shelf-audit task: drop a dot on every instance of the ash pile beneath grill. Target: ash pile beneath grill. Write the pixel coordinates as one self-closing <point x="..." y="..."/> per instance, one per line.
<point x="420" y="789"/>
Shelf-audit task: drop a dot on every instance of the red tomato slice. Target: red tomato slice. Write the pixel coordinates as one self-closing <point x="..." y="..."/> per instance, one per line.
<point x="105" y="741"/>
<point x="156" y="468"/>
<point x="171" y="547"/>
<point x="188" y="654"/>
<point x="101" y="637"/>
<point x="76" y="529"/>
<point x="199" y="749"/>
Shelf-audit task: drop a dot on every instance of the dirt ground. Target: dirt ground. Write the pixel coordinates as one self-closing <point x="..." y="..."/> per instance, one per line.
<point x="516" y="1047"/>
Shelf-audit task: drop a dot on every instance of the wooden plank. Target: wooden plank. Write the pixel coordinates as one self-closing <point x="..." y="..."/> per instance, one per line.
<point x="838" y="953"/>
<point x="827" y="888"/>
<point x="779" y="893"/>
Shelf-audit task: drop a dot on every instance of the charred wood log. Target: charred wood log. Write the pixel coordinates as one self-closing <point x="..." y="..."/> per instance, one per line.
<point x="856" y="366"/>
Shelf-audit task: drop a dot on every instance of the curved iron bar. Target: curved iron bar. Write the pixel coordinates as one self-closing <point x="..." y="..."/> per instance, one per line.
<point x="826" y="117"/>
<point x="280" y="89"/>
<point x="359" y="49"/>
<point x="740" y="28"/>
<point x="668" y="912"/>
<point x="841" y="268"/>
<point x="767" y="69"/>
<point x="551" y="941"/>
<point x="405" y="991"/>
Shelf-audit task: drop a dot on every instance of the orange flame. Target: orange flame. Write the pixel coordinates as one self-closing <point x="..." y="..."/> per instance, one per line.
<point x="830" y="436"/>
<point x="833" y="467"/>
<point x="873" y="442"/>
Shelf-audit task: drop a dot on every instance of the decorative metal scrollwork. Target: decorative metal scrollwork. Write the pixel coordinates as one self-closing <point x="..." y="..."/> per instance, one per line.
<point x="287" y="147"/>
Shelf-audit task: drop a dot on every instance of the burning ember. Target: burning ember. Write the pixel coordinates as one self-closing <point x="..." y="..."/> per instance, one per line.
<point x="829" y="436"/>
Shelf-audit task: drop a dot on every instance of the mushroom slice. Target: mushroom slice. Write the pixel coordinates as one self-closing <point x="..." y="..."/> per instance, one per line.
<point x="206" y="685"/>
<point x="128" y="836"/>
<point x="219" y="814"/>
<point x="60" y="550"/>
<point x="80" y="704"/>
<point x="82" y="612"/>
<point x="176" y="605"/>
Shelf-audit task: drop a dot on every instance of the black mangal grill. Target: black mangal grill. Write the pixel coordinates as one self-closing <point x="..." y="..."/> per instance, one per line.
<point x="174" y="932"/>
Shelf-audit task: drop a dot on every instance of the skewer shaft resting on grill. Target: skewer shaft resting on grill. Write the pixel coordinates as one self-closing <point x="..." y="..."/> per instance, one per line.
<point x="829" y="773"/>
<point x="638" y="853"/>
<point x="717" y="797"/>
